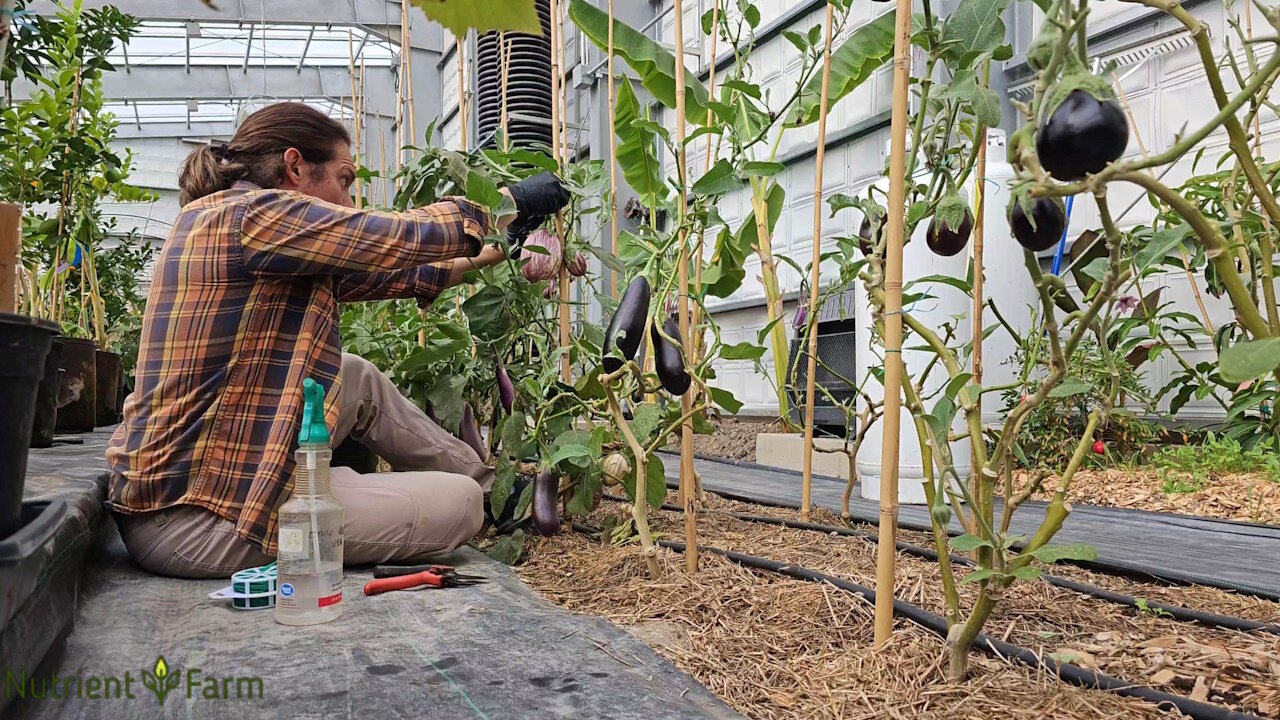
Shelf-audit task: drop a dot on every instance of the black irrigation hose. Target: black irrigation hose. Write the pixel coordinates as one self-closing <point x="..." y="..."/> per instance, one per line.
<point x="937" y="624"/>
<point x="1109" y="567"/>
<point x="1173" y="612"/>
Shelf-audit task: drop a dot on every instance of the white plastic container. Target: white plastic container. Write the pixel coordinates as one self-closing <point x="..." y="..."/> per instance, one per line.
<point x="948" y="305"/>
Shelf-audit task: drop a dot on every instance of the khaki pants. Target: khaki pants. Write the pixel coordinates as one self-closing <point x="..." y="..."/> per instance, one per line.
<point x="432" y="503"/>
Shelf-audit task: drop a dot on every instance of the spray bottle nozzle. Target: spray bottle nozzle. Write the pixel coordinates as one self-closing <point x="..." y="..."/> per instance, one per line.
<point x="314" y="431"/>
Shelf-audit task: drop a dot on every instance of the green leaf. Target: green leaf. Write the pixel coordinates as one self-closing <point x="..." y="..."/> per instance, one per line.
<point x="1054" y="553"/>
<point x="983" y="101"/>
<point x="960" y="284"/>
<point x="503" y="484"/>
<point x="511" y="435"/>
<point x="978" y="575"/>
<point x="1160" y="245"/>
<point x="1096" y="269"/>
<point x="458" y="17"/>
<point x="762" y="168"/>
<point x="637" y="148"/>
<point x="508" y="548"/>
<point x="742" y="351"/>
<point x="482" y="190"/>
<point x="968" y="543"/>
<point x="724" y="399"/>
<point x="526" y="497"/>
<point x="645" y="420"/>
<point x="578" y="454"/>
<point x="652" y="62"/>
<point x="584" y="495"/>
<point x="655" y="481"/>
<point x="1249" y="360"/>
<point x="446" y="401"/>
<point x="1070" y="387"/>
<point x="486" y="313"/>
<point x="1026" y="572"/>
<point x="957" y="382"/>
<point x="718" y="180"/>
<point x="974" y="28"/>
<point x="869" y="47"/>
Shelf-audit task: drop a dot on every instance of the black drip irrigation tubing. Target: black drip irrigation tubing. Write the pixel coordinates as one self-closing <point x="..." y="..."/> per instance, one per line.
<point x="937" y="624"/>
<point x="1173" y="612"/>
<point x="1108" y="567"/>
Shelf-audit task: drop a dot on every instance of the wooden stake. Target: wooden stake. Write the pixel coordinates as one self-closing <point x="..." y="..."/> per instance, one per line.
<point x="412" y="113"/>
<point x="355" y="115"/>
<point x="687" y="476"/>
<point x="979" y="213"/>
<point x="885" y="556"/>
<point x="815" y="272"/>
<point x="10" y="255"/>
<point x="713" y="148"/>
<point x="505" y="58"/>
<point x="613" y="163"/>
<point x="462" y="98"/>
<point x="557" y="88"/>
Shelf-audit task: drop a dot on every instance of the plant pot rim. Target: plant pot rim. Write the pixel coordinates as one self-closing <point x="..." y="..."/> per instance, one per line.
<point x="108" y="352"/>
<point x="16" y="319"/>
<point x="80" y="341"/>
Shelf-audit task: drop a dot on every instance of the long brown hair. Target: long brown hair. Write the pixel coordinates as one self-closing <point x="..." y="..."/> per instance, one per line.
<point x="256" y="152"/>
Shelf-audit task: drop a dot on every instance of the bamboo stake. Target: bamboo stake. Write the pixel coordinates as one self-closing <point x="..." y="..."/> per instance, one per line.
<point x="613" y="163"/>
<point x="557" y="87"/>
<point x="462" y="98"/>
<point x="687" y="473"/>
<point x="10" y="255"/>
<point x="713" y="148"/>
<point x="1142" y="147"/>
<point x="815" y="273"/>
<point x="979" y="215"/>
<point x="505" y="57"/>
<point x="382" y="161"/>
<point x="355" y="114"/>
<point x="413" y="114"/>
<point x="400" y="88"/>
<point x="893" y="326"/>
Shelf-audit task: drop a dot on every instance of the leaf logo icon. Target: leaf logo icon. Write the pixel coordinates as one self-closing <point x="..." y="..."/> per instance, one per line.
<point x="161" y="681"/>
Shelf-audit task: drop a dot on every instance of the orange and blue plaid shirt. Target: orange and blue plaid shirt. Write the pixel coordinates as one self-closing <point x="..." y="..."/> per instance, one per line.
<point x="243" y="307"/>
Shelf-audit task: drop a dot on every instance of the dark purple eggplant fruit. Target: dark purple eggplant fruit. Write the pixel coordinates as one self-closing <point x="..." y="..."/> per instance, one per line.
<point x="626" y="329"/>
<point x="668" y="360"/>
<point x="470" y="432"/>
<point x="944" y="241"/>
<point x="1081" y="136"/>
<point x="506" y="390"/>
<point x="869" y="234"/>
<point x="546" y="517"/>
<point x="1049" y="218"/>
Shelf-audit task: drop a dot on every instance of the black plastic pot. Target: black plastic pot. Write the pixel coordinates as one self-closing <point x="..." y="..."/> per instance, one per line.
<point x="24" y="343"/>
<point x="78" y="397"/>
<point x="107" y="367"/>
<point x="47" y="398"/>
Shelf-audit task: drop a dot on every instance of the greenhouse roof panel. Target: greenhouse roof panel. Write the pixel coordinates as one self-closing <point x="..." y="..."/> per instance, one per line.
<point x="253" y="44"/>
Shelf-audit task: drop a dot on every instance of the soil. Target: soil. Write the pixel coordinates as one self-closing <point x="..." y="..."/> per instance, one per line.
<point x="777" y="648"/>
<point x="733" y="440"/>
<point x="1249" y="497"/>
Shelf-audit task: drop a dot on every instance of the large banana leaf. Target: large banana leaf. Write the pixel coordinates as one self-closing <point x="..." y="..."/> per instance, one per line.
<point x="459" y="16"/>
<point x="655" y="66"/>
<point x="869" y="47"/>
<point x="637" y="150"/>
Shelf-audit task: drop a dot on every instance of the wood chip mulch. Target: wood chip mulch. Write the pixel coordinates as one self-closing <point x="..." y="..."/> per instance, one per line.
<point x="773" y="647"/>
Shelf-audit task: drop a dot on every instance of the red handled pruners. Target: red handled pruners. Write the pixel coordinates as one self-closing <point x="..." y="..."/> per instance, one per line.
<point x="404" y="577"/>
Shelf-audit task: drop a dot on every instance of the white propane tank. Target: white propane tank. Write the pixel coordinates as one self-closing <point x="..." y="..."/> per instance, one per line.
<point x="946" y="305"/>
<point x="1007" y="284"/>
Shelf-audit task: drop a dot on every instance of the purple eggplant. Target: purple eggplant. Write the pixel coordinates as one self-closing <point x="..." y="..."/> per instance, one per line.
<point x="546" y="517"/>
<point x="626" y="329"/>
<point x="470" y="432"/>
<point x="668" y="360"/>
<point x="506" y="390"/>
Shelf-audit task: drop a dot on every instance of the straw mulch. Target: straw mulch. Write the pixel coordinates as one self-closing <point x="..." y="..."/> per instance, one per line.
<point x="1250" y="497"/>
<point x="1197" y="597"/>
<point x="767" y="644"/>
<point x="777" y="648"/>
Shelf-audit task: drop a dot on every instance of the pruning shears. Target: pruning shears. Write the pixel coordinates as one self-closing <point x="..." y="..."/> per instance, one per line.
<point x="404" y="577"/>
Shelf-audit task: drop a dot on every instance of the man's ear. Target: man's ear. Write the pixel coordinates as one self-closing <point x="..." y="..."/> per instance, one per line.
<point x="293" y="168"/>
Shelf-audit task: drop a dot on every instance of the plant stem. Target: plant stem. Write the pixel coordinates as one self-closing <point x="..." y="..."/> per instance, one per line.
<point x="640" y="507"/>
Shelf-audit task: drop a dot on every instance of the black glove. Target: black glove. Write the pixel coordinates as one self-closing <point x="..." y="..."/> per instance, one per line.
<point x="538" y="197"/>
<point x="518" y="231"/>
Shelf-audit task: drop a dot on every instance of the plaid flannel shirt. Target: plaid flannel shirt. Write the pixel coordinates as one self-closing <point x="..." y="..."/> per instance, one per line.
<point x="243" y="307"/>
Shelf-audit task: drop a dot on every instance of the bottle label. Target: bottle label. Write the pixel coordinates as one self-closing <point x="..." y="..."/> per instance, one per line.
<point x="301" y="586"/>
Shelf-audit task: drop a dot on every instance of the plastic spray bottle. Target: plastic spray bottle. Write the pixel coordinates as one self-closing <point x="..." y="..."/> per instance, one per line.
<point x="309" y="565"/>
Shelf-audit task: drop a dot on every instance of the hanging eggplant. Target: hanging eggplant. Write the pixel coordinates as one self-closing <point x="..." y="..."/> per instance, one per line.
<point x="668" y="360"/>
<point x="616" y="469"/>
<point x="1083" y="134"/>
<point x="546" y="518"/>
<point x="576" y="264"/>
<point x="1043" y="229"/>
<point x="470" y="432"/>
<point x="626" y="329"/>
<point x="506" y="390"/>
<point x="945" y="241"/>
